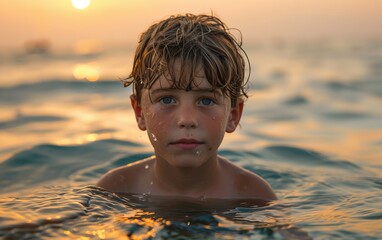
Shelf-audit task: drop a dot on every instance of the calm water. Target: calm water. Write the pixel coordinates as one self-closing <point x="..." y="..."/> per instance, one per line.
<point x="312" y="128"/>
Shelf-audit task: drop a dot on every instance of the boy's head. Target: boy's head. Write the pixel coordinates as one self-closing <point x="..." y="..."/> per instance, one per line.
<point x="190" y="42"/>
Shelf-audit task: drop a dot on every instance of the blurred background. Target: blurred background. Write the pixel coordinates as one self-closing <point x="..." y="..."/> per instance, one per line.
<point x="88" y="27"/>
<point x="107" y="23"/>
<point x="315" y="70"/>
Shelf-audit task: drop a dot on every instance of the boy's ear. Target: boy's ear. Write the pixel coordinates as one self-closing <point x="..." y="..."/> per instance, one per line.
<point x="235" y="116"/>
<point x="138" y="112"/>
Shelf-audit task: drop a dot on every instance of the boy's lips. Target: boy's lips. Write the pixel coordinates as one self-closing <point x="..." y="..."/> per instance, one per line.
<point x="186" y="143"/>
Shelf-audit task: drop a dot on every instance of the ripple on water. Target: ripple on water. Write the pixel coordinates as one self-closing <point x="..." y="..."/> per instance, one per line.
<point x="315" y="190"/>
<point x="49" y="164"/>
<point x="93" y="210"/>
<point x="304" y="157"/>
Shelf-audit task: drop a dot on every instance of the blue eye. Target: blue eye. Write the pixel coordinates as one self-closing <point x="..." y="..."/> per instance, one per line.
<point x="167" y="100"/>
<point x="206" y="101"/>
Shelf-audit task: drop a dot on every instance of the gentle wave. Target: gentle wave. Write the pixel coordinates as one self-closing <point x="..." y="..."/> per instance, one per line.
<point x="53" y="194"/>
<point x="49" y="163"/>
<point x="84" y="163"/>
<point x="44" y="90"/>
<point x="136" y="216"/>
<point x="22" y="119"/>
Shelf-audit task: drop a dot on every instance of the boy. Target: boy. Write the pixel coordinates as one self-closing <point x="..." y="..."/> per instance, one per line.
<point x="189" y="89"/>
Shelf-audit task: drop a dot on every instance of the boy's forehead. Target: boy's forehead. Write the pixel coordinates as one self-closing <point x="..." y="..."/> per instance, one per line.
<point x="182" y="75"/>
<point x="198" y="82"/>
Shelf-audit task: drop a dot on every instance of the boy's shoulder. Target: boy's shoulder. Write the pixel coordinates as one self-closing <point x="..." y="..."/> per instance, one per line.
<point x="247" y="183"/>
<point x="122" y="179"/>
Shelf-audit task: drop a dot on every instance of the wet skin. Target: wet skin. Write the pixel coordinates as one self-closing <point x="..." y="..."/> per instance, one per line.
<point x="186" y="129"/>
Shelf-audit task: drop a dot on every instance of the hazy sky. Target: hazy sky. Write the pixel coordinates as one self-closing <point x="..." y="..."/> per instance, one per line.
<point x="119" y="21"/>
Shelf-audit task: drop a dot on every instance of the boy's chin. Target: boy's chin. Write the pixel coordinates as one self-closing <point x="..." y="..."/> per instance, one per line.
<point x="186" y="162"/>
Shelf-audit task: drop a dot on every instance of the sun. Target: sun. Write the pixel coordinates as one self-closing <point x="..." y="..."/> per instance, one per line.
<point x="80" y="4"/>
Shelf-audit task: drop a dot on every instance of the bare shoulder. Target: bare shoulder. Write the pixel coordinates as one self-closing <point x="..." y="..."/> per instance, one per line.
<point x="247" y="183"/>
<point x="123" y="178"/>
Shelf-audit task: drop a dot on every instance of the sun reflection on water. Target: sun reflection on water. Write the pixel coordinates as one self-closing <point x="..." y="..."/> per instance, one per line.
<point x="150" y="224"/>
<point x="86" y="71"/>
<point x="84" y="138"/>
<point x="92" y="137"/>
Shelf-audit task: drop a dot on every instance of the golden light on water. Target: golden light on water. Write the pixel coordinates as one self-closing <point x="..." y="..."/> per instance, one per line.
<point x="92" y="137"/>
<point x="80" y="4"/>
<point x="150" y="224"/>
<point x="86" y="71"/>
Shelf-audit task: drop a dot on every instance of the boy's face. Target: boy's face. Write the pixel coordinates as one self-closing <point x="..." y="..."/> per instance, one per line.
<point x="186" y="127"/>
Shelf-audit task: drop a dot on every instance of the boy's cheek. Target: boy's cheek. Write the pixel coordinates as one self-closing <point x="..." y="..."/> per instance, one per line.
<point x="156" y="123"/>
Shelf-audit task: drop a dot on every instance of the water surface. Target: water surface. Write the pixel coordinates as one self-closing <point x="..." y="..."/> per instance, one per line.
<point x="311" y="128"/>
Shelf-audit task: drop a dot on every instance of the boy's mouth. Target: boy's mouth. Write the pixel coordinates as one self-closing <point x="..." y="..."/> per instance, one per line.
<point x="186" y="143"/>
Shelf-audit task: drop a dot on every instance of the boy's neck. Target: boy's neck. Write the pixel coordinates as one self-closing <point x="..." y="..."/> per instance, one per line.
<point x="192" y="181"/>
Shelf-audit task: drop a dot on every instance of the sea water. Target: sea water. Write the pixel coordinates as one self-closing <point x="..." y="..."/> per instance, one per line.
<point x="312" y="128"/>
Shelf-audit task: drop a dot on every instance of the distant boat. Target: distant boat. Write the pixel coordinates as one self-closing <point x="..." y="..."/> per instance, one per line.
<point x="40" y="46"/>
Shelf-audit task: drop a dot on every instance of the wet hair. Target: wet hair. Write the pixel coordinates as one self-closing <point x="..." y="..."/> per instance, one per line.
<point x="192" y="42"/>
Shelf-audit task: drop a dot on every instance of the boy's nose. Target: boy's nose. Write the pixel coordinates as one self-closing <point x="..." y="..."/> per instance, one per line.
<point x="187" y="117"/>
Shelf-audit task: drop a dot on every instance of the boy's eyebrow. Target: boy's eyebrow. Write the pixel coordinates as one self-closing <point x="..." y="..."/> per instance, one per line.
<point x="210" y="90"/>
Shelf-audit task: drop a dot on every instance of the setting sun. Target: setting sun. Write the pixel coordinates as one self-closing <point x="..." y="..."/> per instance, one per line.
<point x="80" y="4"/>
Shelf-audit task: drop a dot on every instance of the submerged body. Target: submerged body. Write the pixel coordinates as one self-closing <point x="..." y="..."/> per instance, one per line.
<point x="232" y="182"/>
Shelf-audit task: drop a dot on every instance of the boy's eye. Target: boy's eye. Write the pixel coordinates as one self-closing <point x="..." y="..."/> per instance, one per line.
<point x="206" y="101"/>
<point x="167" y="100"/>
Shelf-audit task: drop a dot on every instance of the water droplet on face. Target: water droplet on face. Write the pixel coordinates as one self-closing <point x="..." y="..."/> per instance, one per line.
<point x="146" y="166"/>
<point x="151" y="183"/>
<point x="154" y="137"/>
<point x="202" y="198"/>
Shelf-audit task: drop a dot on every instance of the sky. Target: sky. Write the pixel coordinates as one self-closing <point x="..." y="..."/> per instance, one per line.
<point x="121" y="21"/>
